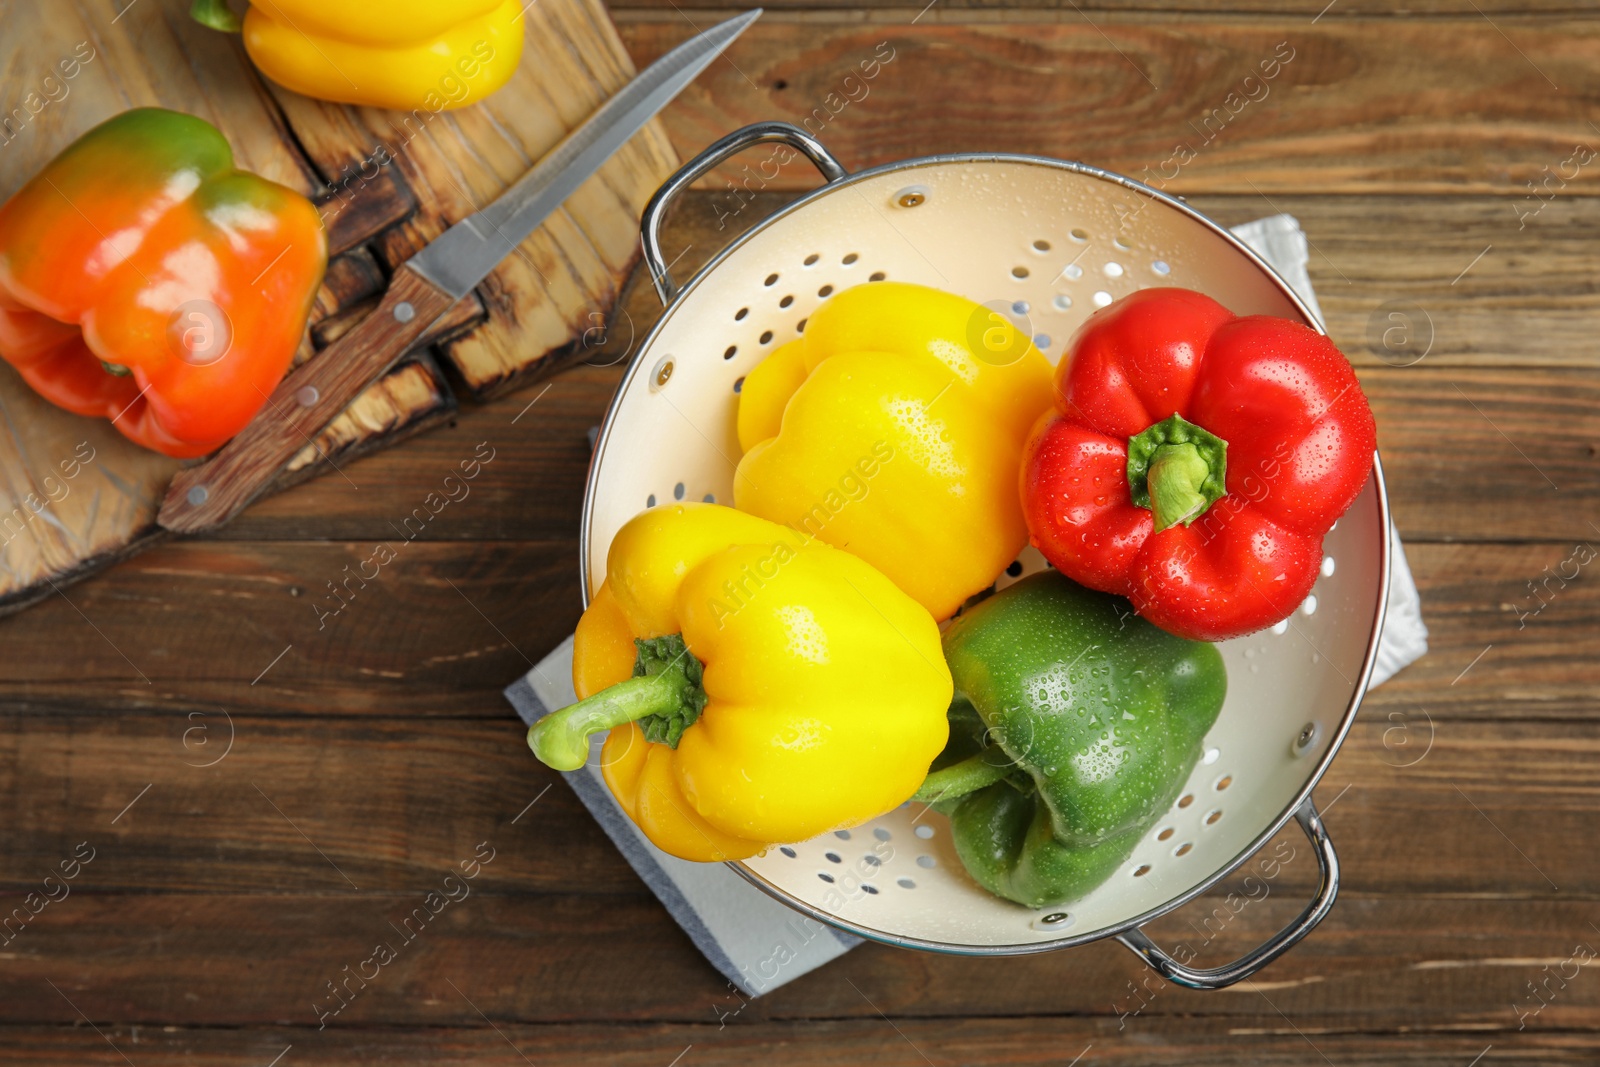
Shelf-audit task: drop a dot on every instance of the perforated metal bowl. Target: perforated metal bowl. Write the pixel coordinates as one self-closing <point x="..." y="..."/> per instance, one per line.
<point x="1052" y="241"/>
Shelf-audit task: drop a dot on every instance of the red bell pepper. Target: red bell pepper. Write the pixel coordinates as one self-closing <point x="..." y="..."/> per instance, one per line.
<point x="1194" y="461"/>
<point x="145" y="280"/>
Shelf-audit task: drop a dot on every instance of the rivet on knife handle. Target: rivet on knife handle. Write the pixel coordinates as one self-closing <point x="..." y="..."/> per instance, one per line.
<point x="312" y="396"/>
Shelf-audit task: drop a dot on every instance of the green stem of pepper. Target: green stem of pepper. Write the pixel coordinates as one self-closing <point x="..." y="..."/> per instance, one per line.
<point x="216" y="14"/>
<point x="1177" y="470"/>
<point x="664" y="697"/>
<point x="959" y="779"/>
<point x="561" y="739"/>
<point x="1176" y="474"/>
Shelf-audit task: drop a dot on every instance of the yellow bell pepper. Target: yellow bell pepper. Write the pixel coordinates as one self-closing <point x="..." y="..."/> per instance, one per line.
<point x="403" y="54"/>
<point x="759" y="687"/>
<point x="893" y="427"/>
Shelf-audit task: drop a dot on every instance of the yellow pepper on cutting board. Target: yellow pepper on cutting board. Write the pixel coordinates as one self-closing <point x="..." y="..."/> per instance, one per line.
<point x="893" y="428"/>
<point x="402" y="54"/>
<point x="759" y="687"/>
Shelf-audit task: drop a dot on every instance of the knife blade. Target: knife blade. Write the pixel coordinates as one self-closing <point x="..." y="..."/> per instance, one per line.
<point x="422" y="289"/>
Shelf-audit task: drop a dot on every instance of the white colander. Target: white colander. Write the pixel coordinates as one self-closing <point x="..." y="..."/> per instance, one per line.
<point x="1051" y="241"/>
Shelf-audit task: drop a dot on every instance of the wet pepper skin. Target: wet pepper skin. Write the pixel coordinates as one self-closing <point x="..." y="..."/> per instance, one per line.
<point x="893" y="428"/>
<point x="822" y="685"/>
<point x="1298" y="441"/>
<point x="1094" y="717"/>
<point x="401" y="54"/>
<point x="101" y="254"/>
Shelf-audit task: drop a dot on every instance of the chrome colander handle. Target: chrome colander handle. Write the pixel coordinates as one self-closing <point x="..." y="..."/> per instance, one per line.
<point x="1285" y="939"/>
<point x="714" y="155"/>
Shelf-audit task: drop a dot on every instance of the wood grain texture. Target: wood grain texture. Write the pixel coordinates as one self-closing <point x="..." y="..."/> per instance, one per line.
<point x="565" y="277"/>
<point x="196" y="623"/>
<point x="1380" y="105"/>
<point x="1035" y="1043"/>
<point x="1384" y="965"/>
<point x="369" y="801"/>
<point x="356" y="213"/>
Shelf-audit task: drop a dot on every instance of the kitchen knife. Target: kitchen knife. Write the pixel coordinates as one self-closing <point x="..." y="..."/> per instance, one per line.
<point x="422" y="290"/>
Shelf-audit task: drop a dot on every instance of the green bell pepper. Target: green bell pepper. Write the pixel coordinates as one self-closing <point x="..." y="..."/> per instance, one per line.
<point x="1074" y="726"/>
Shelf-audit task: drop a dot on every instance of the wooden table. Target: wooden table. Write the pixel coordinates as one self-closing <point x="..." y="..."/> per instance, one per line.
<point x="264" y="789"/>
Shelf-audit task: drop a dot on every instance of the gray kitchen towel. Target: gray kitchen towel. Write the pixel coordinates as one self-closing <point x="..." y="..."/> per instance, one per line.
<point x="757" y="943"/>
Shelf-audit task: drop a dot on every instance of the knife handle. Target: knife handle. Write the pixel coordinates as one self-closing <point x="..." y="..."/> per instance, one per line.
<point x="209" y="494"/>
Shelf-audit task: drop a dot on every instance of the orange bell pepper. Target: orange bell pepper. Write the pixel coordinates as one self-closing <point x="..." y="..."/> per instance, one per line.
<point x="145" y="280"/>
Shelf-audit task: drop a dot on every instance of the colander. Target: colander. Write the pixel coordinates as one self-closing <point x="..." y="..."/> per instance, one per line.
<point x="1047" y="242"/>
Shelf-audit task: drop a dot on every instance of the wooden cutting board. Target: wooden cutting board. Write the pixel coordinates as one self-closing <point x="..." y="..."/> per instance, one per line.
<point x="74" y="495"/>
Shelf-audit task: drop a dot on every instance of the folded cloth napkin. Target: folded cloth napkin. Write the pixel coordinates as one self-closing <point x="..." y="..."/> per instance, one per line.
<point x="758" y="943"/>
